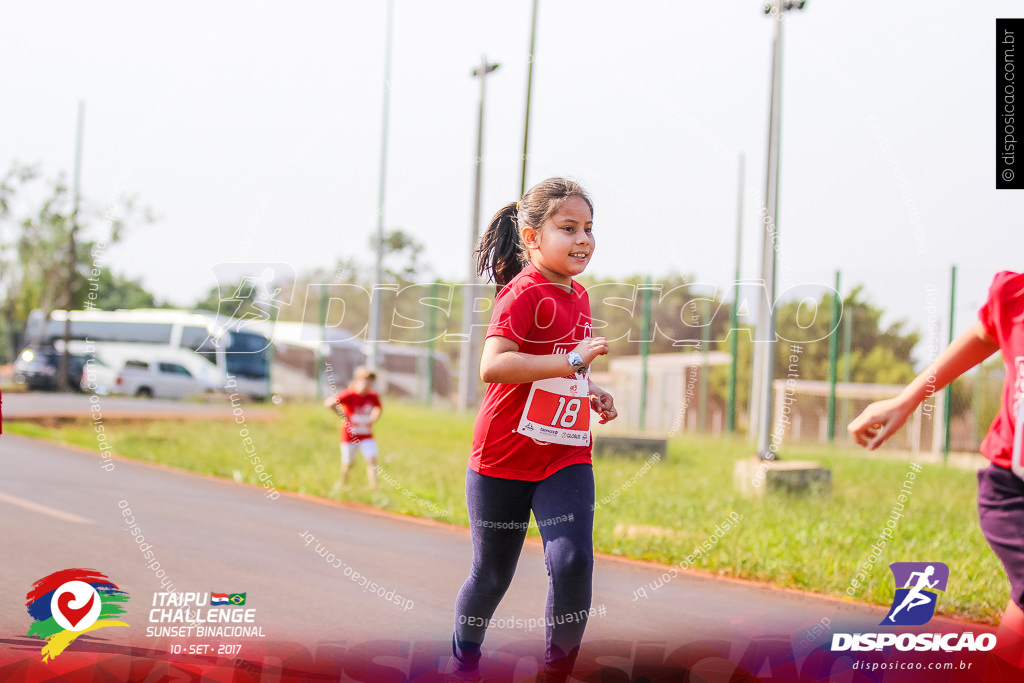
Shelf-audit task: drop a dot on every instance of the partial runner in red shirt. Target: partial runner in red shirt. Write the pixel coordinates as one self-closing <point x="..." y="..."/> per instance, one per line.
<point x="359" y="406"/>
<point x="1000" y="327"/>
<point x="531" y="441"/>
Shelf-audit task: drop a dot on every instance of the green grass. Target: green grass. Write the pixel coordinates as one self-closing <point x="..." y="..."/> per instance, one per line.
<point x="811" y="543"/>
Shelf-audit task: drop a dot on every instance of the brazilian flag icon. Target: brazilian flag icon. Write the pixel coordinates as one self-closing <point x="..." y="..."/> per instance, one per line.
<point x="237" y="598"/>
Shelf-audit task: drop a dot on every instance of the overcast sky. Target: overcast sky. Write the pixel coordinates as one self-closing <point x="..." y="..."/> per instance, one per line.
<point x="253" y="132"/>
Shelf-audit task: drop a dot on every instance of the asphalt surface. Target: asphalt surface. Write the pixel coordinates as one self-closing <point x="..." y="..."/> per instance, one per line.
<point x="60" y="509"/>
<point x="38" y="405"/>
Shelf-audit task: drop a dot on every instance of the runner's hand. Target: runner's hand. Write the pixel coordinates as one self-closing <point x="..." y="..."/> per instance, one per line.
<point x="589" y="349"/>
<point x="603" y="404"/>
<point x="878" y="422"/>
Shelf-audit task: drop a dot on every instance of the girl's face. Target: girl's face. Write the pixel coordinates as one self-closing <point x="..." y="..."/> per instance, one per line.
<point x="363" y="385"/>
<point x="562" y="248"/>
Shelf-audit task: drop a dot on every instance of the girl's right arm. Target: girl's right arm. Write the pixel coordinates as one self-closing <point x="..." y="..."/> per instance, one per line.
<point x="882" y="419"/>
<point x="503" y="362"/>
<point x="331" y="403"/>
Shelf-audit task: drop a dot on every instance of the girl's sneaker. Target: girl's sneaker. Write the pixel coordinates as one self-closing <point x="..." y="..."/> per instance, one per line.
<point x="457" y="670"/>
<point x="549" y="676"/>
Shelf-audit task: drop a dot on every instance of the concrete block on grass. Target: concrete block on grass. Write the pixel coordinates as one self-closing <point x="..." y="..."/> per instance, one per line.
<point x="756" y="477"/>
<point x="633" y="446"/>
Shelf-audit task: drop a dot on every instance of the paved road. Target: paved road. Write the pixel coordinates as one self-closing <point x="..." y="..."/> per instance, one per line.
<point x="37" y="405"/>
<point x="58" y="509"/>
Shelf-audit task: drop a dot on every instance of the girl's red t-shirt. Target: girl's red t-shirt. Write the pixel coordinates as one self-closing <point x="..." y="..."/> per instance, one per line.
<point x="1003" y="318"/>
<point x="543" y="318"/>
<point x="357" y="408"/>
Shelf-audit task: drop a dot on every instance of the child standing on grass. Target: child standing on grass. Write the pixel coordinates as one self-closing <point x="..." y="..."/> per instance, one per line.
<point x="359" y="406"/>
<point x="531" y="441"/>
<point x="1000" y="327"/>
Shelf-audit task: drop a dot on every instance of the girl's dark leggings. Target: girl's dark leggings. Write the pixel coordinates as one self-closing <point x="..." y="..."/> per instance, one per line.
<point x="499" y="514"/>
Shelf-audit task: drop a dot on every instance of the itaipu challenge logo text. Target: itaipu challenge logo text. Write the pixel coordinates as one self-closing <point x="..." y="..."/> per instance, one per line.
<point x="68" y="603"/>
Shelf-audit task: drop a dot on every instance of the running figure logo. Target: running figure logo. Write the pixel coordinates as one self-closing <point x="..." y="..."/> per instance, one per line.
<point x="917" y="584"/>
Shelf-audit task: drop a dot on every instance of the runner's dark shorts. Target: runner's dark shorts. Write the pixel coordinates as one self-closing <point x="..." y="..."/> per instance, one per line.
<point x="1001" y="511"/>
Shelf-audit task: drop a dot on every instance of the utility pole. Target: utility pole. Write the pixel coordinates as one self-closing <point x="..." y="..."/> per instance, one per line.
<point x="65" y="358"/>
<point x="373" y="358"/>
<point x="766" y="325"/>
<point x="529" y="88"/>
<point x="467" y="377"/>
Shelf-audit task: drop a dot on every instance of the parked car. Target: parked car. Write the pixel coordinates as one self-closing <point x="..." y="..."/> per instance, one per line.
<point x="38" y="367"/>
<point x="160" y="379"/>
<point x="98" y="377"/>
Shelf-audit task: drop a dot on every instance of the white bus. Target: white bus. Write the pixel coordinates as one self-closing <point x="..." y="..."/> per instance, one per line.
<point x="230" y="346"/>
<point x="300" y="352"/>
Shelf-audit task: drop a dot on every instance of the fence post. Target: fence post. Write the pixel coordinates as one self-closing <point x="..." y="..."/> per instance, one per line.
<point x="643" y="355"/>
<point x="833" y="353"/>
<point x="431" y="329"/>
<point x="947" y="411"/>
<point x="979" y="376"/>
<point x="844" y="414"/>
<point x="705" y="342"/>
<point x="730" y="409"/>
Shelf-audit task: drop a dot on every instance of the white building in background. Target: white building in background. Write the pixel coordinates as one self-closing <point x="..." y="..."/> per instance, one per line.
<point x="673" y="386"/>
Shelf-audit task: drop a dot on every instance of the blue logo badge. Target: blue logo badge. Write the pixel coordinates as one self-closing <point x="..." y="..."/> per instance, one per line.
<point x="917" y="586"/>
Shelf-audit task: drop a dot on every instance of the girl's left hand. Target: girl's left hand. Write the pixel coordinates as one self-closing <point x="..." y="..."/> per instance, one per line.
<point x="603" y="404"/>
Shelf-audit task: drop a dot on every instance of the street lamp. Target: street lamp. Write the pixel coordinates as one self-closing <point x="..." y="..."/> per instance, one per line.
<point x="765" y="359"/>
<point x="64" y="366"/>
<point x="529" y="90"/>
<point x="467" y="377"/>
<point x="374" y="358"/>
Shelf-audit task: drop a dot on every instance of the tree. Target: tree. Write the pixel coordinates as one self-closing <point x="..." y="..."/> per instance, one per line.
<point x="398" y="244"/>
<point x="108" y="291"/>
<point x="35" y="229"/>
<point x="677" y="314"/>
<point x="877" y="355"/>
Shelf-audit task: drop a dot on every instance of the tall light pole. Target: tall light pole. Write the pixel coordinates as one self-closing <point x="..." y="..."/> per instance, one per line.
<point x="529" y="88"/>
<point x="766" y="316"/>
<point x="375" y="314"/>
<point x="65" y="357"/>
<point x="467" y="376"/>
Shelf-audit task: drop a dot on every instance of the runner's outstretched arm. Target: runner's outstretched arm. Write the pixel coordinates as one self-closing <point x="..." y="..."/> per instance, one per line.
<point x="882" y="419"/>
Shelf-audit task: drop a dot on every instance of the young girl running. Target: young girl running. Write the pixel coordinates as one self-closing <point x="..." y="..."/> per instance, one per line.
<point x="531" y="442"/>
<point x="1000" y="327"/>
<point x="360" y="407"/>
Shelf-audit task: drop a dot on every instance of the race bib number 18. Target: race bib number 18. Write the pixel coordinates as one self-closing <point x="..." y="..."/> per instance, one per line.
<point x="557" y="411"/>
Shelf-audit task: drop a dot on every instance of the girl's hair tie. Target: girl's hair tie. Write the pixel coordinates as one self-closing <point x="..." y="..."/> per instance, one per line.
<point x="519" y="205"/>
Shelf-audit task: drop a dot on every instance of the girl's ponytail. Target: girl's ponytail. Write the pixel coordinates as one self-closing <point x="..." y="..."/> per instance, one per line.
<point x="500" y="254"/>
